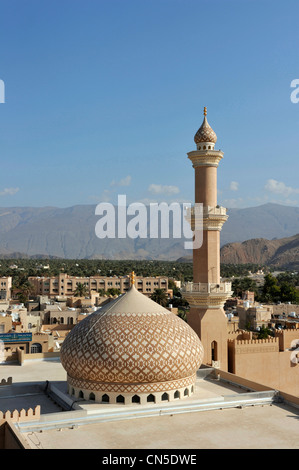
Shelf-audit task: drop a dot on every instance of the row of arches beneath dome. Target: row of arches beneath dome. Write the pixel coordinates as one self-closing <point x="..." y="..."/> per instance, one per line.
<point x="205" y="147"/>
<point x="127" y="399"/>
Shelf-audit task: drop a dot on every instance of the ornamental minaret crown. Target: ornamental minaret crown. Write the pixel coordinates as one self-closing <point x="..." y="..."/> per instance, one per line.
<point x="205" y="136"/>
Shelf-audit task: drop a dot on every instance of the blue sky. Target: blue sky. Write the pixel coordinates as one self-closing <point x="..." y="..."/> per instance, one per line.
<point x="103" y="97"/>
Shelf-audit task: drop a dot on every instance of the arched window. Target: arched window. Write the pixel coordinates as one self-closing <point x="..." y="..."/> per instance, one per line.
<point x="105" y="398"/>
<point x="214" y="352"/>
<point x="35" y="348"/>
<point x="81" y="394"/>
<point x="165" y="397"/>
<point x="186" y="392"/>
<point x="120" y="399"/>
<point x="135" y="399"/>
<point x="92" y="396"/>
<point x="176" y="394"/>
<point x="61" y="320"/>
<point x="151" y="398"/>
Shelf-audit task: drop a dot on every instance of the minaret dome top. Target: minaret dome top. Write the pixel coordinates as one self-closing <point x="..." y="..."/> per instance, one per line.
<point x="205" y="134"/>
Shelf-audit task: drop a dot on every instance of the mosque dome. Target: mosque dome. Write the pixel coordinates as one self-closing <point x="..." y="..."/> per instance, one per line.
<point x="131" y="349"/>
<point x="205" y="133"/>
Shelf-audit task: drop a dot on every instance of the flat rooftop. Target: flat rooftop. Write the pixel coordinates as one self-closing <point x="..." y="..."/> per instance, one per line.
<point x="197" y="422"/>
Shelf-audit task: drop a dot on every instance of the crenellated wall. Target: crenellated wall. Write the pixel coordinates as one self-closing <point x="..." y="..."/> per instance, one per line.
<point x="22" y="415"/>
<point x="264" y="361"/>
<point x="286" y="337"/>
<point x="239" y="334"/>
<point x="6" y="382"/>
<point x="258" y="344"/>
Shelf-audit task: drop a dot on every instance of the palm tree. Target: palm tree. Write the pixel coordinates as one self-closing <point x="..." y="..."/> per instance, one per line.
<point x="81" y="290"/>
<point x="113" y="291"/>
<point x="25" y="289"/>
<point x="160" y="296"/>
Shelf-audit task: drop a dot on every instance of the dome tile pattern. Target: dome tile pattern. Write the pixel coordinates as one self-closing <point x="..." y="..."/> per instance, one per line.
<point x="205" y="133"/>
<point x="131" y="344"/>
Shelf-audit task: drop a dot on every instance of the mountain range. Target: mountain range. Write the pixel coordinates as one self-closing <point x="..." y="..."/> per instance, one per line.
<point x="70" y="233"/>
<point x="279" y="253"/>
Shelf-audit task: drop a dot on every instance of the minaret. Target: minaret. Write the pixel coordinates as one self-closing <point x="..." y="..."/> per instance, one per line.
<point x="206" y="295"/>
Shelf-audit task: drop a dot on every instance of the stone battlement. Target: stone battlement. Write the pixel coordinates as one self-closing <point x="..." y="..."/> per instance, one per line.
<point x="6" y="382"/>
<point x="286" y="337"/>
<point x="293" y="331"/>
<point x="246" y="342"/>
<point x="23" y="415"/>
<point x="239" y="334"/>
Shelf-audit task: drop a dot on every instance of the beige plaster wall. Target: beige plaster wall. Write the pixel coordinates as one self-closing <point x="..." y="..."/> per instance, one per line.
<point x="211" y="325"/>
<point x="262" y="362"/>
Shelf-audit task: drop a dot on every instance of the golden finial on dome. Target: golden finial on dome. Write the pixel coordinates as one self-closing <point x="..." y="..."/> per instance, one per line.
<point x="132" y="277"/>
<point x="205" y="111"/>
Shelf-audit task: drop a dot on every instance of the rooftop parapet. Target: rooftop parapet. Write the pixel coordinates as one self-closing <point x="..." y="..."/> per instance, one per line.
<point x="271" y="340"/>
<point x="22" y="415"/>
<point x="6" y="382"/>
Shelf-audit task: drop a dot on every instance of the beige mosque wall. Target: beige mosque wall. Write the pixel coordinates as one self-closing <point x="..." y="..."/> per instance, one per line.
<point x="262" y="361"/>
<point x="211" y="326"/>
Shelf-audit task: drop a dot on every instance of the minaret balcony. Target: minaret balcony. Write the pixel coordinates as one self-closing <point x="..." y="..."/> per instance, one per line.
<point x="206" y="217"/>
<point x="207" y="287"/>
<point x="206" y="295"/>
<point x="205" y="157"/>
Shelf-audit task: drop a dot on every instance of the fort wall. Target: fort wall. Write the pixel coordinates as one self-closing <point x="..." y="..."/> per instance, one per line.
<point x="264" y="361"/>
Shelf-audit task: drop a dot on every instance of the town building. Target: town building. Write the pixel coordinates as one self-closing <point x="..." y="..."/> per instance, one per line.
<point x="254" y="315"/>
<point x="5" y="287"/>
<point x="64" y="285"/>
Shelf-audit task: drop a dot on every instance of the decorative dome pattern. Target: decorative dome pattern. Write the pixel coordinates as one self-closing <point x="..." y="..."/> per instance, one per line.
<point x="131" y="344"/>
<point x="205" y="133"/>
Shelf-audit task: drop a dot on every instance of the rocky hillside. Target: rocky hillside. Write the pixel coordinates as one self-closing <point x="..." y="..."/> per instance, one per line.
<point x="281" y="253"/>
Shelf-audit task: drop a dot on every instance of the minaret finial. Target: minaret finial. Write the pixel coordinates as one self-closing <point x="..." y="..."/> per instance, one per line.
<point x="132" y="276"/>
<point x="205" y="111"/>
